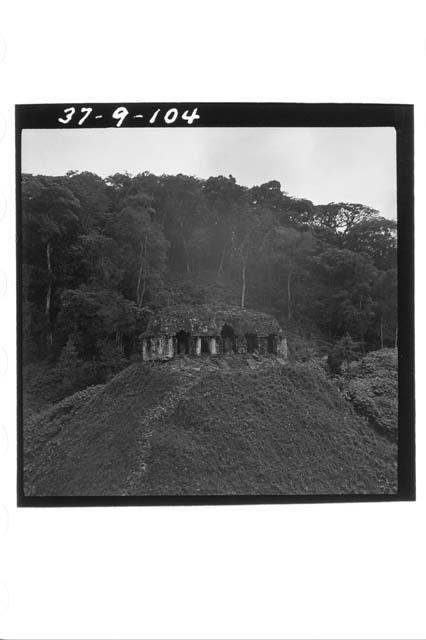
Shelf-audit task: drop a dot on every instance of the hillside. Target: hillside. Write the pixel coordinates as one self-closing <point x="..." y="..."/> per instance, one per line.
<point x="236" y="425"/>
<point x="371" y="385"/>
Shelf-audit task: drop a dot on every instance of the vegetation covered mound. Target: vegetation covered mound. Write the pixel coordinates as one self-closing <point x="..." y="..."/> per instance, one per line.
<point x="371" y="384"/>
<point x="218" y="427"/>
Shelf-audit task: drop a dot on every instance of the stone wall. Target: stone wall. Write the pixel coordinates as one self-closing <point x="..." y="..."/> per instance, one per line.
<point x="166" y="347"/>
<point x="157" y="348"/>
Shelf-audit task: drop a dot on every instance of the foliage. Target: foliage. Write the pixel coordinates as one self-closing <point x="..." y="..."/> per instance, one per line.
<point x="194" y="428"/>
<point x="101" y="256"/>
<point x="342" y="353"/>
<point x="208" y="320"/>
<point x="68" y="367"/>
<point x="372" y="386"/>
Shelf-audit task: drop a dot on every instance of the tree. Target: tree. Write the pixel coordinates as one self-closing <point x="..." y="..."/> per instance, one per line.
<point x="100" y="256"/>
<point x="182" y="209"/>
<point x="343" y="351"/>
<point x="376" y="238"/>
<point x="226" y="203"/>
<point x="92" y="315"/>
<point x="290" y="247"/>
<point x="386" y="296"/>
<point x="69" y="368"/>
<point x="142" y="247"/>
<point x="341" y="216"/>
<point x="250" y="236"/>
<point x="345" y="293"/>
<point x="92" y="193"/>
<point x="49" y="217"/>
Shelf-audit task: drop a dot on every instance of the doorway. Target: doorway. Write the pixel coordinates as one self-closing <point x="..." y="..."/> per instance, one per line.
<point x="228" y="339"/>
<point x="252" y="342"/>
<point x="182" y="340"/>
<point x="271" y="343"/>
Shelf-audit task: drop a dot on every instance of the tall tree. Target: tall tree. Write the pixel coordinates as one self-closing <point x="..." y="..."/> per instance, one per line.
<point x="386" y="297"/>
<point x="226" y="202"/>
<point x="345" y="301"/>
<point x="50" y="221"/>
<point x="341" y="216"/>
<point x="375" y="237"/>
<point x="289" y="248"/>
<point x="142" y="246"/>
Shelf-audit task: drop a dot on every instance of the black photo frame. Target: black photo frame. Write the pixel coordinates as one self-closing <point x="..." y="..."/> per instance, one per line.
<point x="401" y="117"/>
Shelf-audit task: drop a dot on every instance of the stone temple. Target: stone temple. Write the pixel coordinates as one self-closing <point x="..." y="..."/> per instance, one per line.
<point x="211" y="330"/>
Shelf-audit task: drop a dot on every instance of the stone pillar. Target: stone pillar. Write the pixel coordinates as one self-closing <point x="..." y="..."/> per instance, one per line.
<point x="144" y="354"/>
<point x="160" y="347"/>
<point x="170" y="351"/>
<point x="212" y="346"/>
<point x="282" y="349"/>
<point x="219" y="346"/>
<point x="192" y="345"/>
<point x="197" y="345"/>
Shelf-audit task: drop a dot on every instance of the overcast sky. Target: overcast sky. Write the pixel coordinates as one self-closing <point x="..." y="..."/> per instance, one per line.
<point x="321" y="164"/>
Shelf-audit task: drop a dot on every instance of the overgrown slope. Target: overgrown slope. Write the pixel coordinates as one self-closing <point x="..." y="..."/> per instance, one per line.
<point x="230" y="426"/>
<point x="371" y="385"/>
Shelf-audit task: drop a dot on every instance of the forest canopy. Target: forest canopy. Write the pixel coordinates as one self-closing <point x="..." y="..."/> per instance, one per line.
<point x="100" y="256"/>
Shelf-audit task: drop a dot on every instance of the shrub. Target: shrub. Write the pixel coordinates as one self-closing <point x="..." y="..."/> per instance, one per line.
<point x="69" y="368"/>
<point x="342" y="353"/>
<point x="372" y="386"/>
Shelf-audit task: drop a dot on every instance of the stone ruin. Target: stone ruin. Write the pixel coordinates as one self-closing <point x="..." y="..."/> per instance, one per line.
<point x="214" y="331"/>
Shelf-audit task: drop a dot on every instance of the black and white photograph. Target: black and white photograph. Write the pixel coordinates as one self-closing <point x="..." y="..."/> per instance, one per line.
<point x="208" y="311"/>
<point x="211" y="343"/>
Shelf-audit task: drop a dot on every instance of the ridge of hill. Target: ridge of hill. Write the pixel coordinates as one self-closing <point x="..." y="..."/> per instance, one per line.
<point x="225" y="426"/>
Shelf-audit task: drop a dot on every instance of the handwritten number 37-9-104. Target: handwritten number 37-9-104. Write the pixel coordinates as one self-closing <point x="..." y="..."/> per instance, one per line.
<point x="121" y="113"/>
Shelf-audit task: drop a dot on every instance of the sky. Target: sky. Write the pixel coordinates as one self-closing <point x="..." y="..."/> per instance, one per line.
<point x="321" y="164"/>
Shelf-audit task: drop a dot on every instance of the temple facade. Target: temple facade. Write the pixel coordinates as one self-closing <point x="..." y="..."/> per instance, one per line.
<point x="214" y="331"/>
